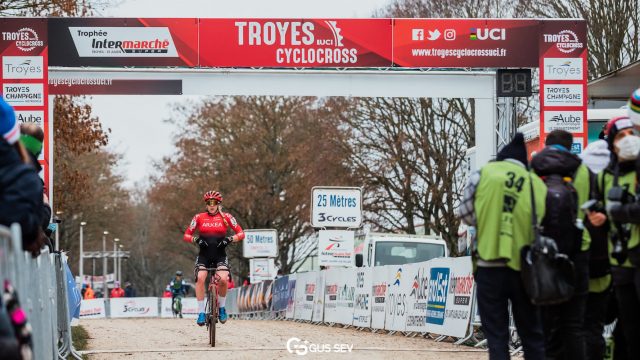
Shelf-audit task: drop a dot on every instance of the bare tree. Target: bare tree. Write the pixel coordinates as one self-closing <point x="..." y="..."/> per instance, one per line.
<point x="613" y="28"/>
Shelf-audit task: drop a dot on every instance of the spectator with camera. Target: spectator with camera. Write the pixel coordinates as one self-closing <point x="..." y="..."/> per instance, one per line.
<point x="618" y="186"/>
<point x="568" y="187"/>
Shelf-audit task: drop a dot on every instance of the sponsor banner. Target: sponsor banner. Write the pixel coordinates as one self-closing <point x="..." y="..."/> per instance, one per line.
<point x="318" y="306"/>
<point x="21" y="36"/>
<point x="331" y="288"/>
<point x="189" y="308"/>
<point x="28" y="117"/>
<point x="295" y="42"/>
<point x="105" y="86"/>
<point x="465" y="43"/>
<point x="336" y="207"/>
<point x="563" y="39"/>
<point x="336" y="247"/>
<point x="346" y="295"/>
<point x="122" y="42"/>
<point x="571" y="121"/>
<point x="261" y="269"/>
<point x="379" y="289"/>
<point x="260" y="243"/>
<point x="400" y="281"/>
<point x="22" y="94"/>
<point x="92" y="309"/>
<point x="563" y="95"/>
<point x="23" y="67"/>
<point x="305" y="295"/>
<point x="134" y="307"/>
<point x="576" y="146"/>
<point x="417" y="299"/>
<point x="291" y="293"/>
<point x="563" y="69"/>
<point x="449" y="296"/>
<point x="363" y="297"/>
<point x="280" y="293"/>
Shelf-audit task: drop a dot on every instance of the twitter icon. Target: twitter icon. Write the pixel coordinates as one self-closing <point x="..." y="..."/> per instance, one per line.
<point x="434" y="35"/>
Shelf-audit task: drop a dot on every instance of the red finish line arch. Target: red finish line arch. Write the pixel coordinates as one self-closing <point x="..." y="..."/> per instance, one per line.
<point x="168" y="56"/>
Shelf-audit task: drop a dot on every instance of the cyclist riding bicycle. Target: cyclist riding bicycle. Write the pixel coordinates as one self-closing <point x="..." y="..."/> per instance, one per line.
<point x="212" y="227"/>
<point x="178" y="288"/>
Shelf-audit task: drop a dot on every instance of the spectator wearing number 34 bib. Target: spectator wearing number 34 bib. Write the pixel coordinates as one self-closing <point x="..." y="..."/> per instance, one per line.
<point x="498" y="202"/>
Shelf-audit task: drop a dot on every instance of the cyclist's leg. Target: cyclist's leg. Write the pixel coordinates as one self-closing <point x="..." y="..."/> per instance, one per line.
<point x="200" y="274"/>
<point x="222" y="273"/>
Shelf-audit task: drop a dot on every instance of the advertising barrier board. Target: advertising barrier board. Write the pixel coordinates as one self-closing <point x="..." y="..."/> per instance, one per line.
<point x="92" y="309"/>
<point x="134" y="307"/>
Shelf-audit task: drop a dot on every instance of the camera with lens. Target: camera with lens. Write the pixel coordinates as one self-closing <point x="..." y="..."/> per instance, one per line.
<point x="622" y="233"/>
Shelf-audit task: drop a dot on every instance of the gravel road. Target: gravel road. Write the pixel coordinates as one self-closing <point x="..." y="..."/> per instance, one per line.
<point x="134" y="339"/>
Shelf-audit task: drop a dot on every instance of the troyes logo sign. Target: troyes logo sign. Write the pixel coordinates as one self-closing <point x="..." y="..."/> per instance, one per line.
<point x="26" y="39"/>
<point x="566" y="41"/>
<point x="123" y="41"/>
<point x="298" y="42"/>
<point x="22" y="67"/>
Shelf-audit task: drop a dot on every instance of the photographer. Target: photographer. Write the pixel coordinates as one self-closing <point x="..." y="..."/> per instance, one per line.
<point x="618" y="184"/>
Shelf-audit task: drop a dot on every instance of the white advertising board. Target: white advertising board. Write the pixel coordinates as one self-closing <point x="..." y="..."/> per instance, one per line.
<point x="260" y="243"/>
<point x="563" y="95"/>
<point x="336" y="207"/>
<point x="363" y="298"/>
<point x="399" y="287"/>
<point x="305" y="295"/>
<point x="417" y="299"/>
<point x="262" y="269"/>
<point x="571" y="121"/>
<point x="346" y="295"/>
<point x="189" y="308"/>
<point x="379" y="288"/>
<point x="336" y="248"/>
<point x="92" y="309"/>
<point x="331" y="281"/>
<point x="134" y="307"/>
<point x="318" y="306"/>
<point x="291" y="297"/>
<point x="449" y="297"/>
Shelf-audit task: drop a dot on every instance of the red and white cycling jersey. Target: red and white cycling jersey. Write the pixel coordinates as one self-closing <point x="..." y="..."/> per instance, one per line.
<point x="214" y="225"/>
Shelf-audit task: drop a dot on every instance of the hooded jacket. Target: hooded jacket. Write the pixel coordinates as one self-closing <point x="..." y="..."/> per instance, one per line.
<point x="20" y="194"/>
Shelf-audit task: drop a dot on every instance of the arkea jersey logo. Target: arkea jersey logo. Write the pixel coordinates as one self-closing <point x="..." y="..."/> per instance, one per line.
<point x="123" y="41"/>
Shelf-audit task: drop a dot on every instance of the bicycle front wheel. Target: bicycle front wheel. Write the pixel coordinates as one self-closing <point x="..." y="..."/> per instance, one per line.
<point x="213" y="318"/>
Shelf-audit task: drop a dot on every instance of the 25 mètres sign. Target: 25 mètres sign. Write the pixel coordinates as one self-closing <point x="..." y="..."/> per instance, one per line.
<point x="336" y="207"/>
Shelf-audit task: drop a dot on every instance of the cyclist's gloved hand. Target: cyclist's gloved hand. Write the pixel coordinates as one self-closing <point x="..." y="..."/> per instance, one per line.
<point x="226" y="241"/>
<point x="201" y="242"/>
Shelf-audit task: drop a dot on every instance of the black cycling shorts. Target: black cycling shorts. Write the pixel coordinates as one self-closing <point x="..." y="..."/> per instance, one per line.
<point x="211" y="257"/>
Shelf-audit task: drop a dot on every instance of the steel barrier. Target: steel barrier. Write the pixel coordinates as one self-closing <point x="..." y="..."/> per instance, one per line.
<point x="41" y="287"/>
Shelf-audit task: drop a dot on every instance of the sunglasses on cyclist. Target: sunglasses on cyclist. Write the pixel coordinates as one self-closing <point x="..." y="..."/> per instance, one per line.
<point x="212" y="202"/>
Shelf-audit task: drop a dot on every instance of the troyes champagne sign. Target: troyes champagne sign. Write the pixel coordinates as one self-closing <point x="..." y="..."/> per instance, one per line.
<point x="336" y="207"/>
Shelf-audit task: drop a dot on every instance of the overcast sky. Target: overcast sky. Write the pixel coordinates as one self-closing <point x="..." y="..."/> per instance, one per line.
<point x="137" y="122"/>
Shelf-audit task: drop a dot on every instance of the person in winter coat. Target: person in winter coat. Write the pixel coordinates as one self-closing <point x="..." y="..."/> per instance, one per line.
<point x="21" y="191"/>
<point x="88" y="293"/>
<point x="117" y="291"/>
<point x="564" y="173"/>
<point x="498" y="202"/>
<point x="596" y="157"/>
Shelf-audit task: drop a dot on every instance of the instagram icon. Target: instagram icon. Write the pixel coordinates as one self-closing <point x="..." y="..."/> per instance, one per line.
<point x="450" y="34"/>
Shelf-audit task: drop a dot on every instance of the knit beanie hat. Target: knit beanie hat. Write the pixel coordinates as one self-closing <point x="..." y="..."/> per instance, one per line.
<point x="9" y="127"/>
<point x="614" y="126"/>
<point x="634" y="107"/>
<point x="516" y="149"/>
